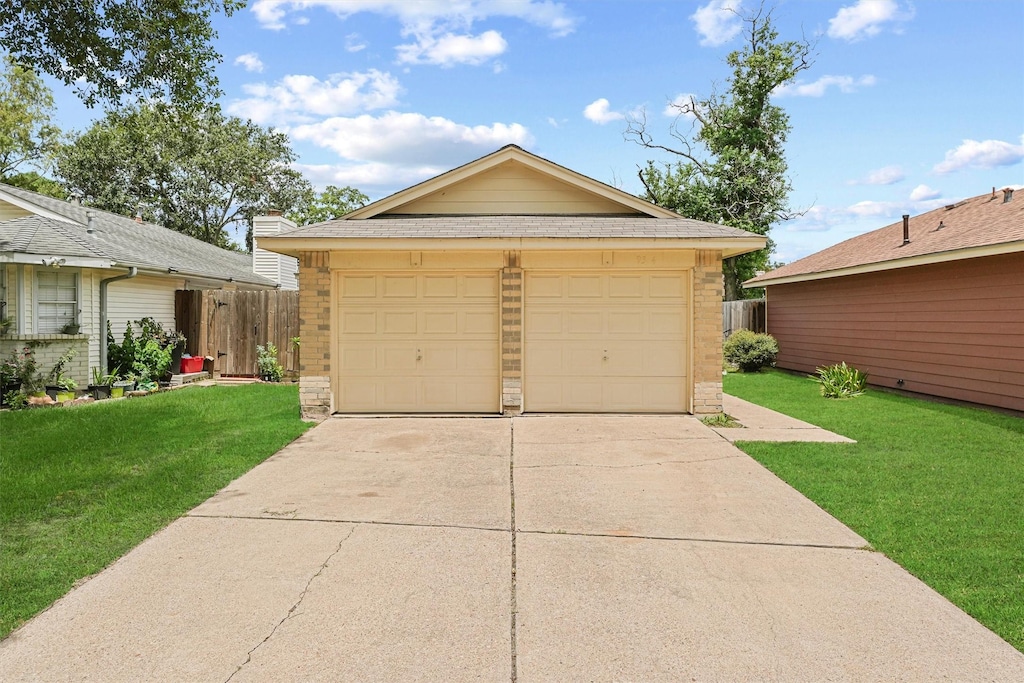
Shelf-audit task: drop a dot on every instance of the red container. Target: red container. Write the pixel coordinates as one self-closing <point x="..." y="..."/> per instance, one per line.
<point x="193" y="364"/>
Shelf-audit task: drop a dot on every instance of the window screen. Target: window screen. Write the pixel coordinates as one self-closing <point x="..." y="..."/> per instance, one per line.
<point x="56" y="300"/>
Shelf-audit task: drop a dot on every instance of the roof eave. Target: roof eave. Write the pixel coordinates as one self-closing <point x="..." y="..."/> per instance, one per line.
<point x="920" y="260"/>
<point x="22" y="257"/>
<point x="292" y="246"/>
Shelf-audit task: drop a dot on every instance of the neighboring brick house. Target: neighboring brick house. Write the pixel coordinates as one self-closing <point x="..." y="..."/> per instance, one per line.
<point x="934" y="305"/>
<point x="511" y="284"/>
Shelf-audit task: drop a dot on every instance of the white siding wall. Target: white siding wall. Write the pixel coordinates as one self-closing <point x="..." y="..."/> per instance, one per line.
<point x="280" y="269"/>
<point x="141" y="297"/>
<point x="89" y="317"/>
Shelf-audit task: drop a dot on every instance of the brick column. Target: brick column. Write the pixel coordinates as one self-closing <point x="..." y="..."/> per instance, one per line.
<point x="315" y="335"/>
<point x="511" y="335"/>
<point x="708" y="290"/>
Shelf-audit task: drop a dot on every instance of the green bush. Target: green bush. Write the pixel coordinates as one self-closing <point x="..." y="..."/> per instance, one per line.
<point x="841" y="381"/>
<point x="266" y="361"/>
<point x="751" y="351"/>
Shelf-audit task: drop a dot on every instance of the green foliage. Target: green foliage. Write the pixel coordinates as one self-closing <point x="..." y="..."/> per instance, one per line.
<point x="266" y="361"/>
<point x="333" y="202"/>
<point x="58" y="377"/>
<point x="109" y="50"/>
<point x="147" y="357"/>
<point x="840" y="381"/>
<point x="720" y="420"/>
<point x="100" y="379"/>
<point x="28" y="137"/>
<point x="22" y="368"/>
<point x="732" y="166"/>
<point x="750" y="351"/>
<point x="200" y="173"/>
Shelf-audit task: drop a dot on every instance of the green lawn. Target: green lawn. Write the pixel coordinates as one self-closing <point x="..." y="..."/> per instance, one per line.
<point x="79" y="487"/>
<point x="937" y="488"/>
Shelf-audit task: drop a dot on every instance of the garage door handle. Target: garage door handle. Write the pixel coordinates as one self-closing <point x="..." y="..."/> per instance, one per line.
<point x="419" y="355"/>
<point x="606" y="355"/>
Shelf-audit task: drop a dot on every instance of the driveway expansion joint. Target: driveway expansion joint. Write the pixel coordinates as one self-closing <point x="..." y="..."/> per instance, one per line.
<point x="291" y="612"/>
<point x="512" y="525"/>
<point x="370" y="522"/>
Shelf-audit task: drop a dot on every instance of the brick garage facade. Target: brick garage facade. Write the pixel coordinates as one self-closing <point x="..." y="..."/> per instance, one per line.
<point x="315" y="335"/>
<point x="315" y="319"/>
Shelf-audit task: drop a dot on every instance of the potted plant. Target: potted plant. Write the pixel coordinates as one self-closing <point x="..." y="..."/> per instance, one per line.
<point x="59" y="386"/>
<point x="6" y="323"/>
<point x="100" y="387"/>
<point x="10" y="376"/>
<point x="71" y="328"/>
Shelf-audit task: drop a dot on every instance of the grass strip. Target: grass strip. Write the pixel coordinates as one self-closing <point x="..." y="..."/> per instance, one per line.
<point x="80" y="487"/>
<point x="938" y="488"/>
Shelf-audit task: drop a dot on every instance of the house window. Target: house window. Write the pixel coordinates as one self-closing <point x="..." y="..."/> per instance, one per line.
<point x="56" y="300"/>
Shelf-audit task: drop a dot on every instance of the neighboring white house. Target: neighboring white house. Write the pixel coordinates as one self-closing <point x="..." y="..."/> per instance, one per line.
<point x="65" y="264"/>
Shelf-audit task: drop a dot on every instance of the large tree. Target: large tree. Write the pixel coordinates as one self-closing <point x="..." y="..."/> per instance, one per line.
<point x="109" y="49"/>
<point x="28" y="138"/>
<point x="200" y="173"/>
<point x="730" y="163"/>
<point x="333" y="202"/>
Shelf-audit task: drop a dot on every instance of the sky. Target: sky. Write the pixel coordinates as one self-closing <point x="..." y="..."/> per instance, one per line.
<point x="908" y="105"/>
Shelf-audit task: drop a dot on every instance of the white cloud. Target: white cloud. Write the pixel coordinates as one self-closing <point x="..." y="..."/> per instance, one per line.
<point x="251" y="61"/>
<point x="354" y="43"/>
<point x="368" y="176"/>
<point x="598" y="112"/>
<point x="984" y="154"/>
<point x="718" y="22"/>
<point x="409" y="139"/>
<point x="866" y="18"/>
<point x="440" y="29"/>
<point x="846" y="84"/>
<point x="922" y="192"/>
<point x="887" y="175"/>
<point x="450" y="49"/>
<point x="301" y="98"/>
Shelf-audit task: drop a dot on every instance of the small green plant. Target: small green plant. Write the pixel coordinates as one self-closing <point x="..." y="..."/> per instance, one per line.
<point x="751" y="351"/>
<point x="266" y="362"/>
<point x="720" y="420"/>
<point x="841" y="381"/>
<point x="8" y="322"/>
<point x="151" y="361"/>
<point x="101" y="380"/>
<point x="58" y="377"/>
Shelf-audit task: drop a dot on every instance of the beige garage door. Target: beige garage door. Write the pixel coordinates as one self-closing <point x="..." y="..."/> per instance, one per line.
<point x="605" y="342"/>
<point x="417" y="343"/>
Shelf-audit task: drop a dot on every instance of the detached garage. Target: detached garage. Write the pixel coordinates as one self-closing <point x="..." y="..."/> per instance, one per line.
<point x="509" y="285"/>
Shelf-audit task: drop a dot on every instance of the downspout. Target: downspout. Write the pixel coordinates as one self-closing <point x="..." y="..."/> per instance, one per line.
<point x="132" y="272"/>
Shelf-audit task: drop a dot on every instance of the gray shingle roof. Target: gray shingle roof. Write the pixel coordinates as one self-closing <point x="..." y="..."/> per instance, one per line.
<point x="593" y="226"/>
<point x="125" y="241"/>
<point x="46" y="236"/>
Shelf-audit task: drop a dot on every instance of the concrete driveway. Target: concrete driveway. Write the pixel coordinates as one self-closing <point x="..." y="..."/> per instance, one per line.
<point x="530" y="549"/>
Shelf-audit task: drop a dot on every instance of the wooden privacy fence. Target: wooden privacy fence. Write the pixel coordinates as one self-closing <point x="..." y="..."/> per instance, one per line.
<point x="227" y="326"/>
<point x="747" y="314"/>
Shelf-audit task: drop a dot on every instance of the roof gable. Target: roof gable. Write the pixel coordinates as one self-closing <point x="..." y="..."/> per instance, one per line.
<point x="978" y="226"/>
<point x="513" y="179"/>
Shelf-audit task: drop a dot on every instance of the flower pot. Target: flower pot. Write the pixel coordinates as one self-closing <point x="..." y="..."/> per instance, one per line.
<point x="63" y="396"/>
<point x="116" y="392"/>
<point x="99" y="391"/>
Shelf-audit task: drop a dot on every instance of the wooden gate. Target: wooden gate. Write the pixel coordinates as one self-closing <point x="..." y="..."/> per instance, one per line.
<point x="227" y="326"/>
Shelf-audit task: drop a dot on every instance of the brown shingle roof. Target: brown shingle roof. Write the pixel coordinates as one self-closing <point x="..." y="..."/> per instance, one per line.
<point x="595" y="226"/>
<point x="980" y="221"/>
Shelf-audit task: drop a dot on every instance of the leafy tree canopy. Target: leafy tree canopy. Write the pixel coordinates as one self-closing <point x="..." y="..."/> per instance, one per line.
<point x="109" y="49"/>
<point x="200" y="173"/>
<point x="731" y="165"/>
<point x="333" y="202"/>
<point x="28" y="138"/>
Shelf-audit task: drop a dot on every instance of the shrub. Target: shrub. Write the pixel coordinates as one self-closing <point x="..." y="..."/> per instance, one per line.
<point x="841" y="381"/>
<point x="266" y="360"/>
<point x="751" y="351"/>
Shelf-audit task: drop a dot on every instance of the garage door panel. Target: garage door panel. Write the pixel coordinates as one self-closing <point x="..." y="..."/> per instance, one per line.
<point x="418" y="342"/>
<point x="611" y="342"/>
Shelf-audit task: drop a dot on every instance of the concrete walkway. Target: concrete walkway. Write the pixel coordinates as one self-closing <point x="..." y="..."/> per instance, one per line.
<point x="761" y="424"/>
<point x="528" y="549"/>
